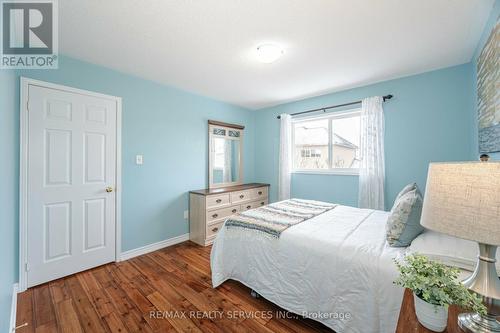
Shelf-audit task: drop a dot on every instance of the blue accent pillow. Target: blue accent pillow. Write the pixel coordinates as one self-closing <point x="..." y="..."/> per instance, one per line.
<point x="406" y="189"/>
<point x="403" y="225"/>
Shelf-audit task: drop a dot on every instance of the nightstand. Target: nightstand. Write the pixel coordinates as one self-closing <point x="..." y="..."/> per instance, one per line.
<point x="408" y="321"/>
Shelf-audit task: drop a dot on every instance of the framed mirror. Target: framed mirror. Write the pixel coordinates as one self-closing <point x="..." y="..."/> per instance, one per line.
<point x="225" y="160"/>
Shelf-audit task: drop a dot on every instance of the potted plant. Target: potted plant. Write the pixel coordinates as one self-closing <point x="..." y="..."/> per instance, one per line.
<point x="435" y="286"/>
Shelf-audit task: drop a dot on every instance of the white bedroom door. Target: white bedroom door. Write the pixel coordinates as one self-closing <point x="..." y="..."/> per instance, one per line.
<point x="71" y="179"/>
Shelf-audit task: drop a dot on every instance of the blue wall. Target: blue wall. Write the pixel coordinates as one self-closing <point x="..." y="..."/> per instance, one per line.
<point x="9" y="143"/>
<point x="427" y="120"/>
<point x="432" y="118"/>
<point x="495" y="13"/>
<point x="169" y="127"/>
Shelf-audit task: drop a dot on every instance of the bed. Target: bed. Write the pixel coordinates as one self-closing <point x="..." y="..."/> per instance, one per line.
<point x="335" y="268"/>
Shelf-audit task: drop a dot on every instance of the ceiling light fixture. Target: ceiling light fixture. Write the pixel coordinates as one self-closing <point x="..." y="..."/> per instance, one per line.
<point x="268" y="53"/>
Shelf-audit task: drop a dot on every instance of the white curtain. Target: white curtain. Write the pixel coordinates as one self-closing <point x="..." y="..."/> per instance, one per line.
<point x="285" y="165"/>
<point x="227" y="172"/>
<point x="372" y="167"/>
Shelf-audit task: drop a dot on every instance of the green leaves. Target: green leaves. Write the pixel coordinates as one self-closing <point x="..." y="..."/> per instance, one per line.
<point x="436" y="283"/>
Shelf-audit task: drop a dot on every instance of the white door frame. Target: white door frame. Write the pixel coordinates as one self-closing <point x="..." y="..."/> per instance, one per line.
<point x="23" y="169"/>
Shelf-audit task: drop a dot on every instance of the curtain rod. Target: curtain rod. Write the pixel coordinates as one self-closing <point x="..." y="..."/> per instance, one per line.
<point x="385" y="98"/>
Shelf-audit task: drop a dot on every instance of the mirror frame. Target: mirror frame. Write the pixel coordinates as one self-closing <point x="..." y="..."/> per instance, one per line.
<point x="217" y="124"/>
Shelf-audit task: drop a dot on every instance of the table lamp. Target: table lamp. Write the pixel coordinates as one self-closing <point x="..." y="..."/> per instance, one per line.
<point x="462" y="199"/>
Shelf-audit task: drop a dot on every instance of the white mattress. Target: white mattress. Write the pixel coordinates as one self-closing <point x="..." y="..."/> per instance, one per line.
<point x="336" y="264"/>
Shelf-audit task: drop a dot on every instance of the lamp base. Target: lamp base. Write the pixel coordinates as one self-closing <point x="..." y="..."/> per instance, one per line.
<point x="475" y="323"/>
<point x="484" y="282"/>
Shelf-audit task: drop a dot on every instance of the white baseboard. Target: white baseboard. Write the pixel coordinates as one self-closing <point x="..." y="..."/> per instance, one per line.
<point x="153" y="247"/>
<point x="13" y="308"/>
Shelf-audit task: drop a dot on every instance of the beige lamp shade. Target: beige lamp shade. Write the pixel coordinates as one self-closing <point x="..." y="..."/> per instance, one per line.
<point x="463" y="200"/>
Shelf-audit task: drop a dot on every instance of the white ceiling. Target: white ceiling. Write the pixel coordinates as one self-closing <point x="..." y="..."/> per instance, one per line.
<point x="207" y="46"/>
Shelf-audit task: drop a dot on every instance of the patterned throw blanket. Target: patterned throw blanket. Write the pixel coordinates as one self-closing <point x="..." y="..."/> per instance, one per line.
<point x="277" y="217"/>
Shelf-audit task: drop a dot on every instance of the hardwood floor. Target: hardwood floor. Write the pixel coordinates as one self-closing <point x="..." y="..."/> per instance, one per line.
<point x="164" y="291"/>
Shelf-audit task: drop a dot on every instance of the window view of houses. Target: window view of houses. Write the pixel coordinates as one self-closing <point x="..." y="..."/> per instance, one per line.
<point x="329" y="143"/>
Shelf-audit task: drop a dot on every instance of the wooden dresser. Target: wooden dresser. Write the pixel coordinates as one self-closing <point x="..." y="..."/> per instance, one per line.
<point x="209" y="208"/>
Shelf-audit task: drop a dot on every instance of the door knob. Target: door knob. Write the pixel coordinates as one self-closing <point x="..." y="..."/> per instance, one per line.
<point x="109" y="189"/>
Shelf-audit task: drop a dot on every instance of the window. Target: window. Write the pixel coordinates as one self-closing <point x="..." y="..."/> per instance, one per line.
<point x="218" y="154"/>
<point x="327" y="144"/>
<point x="310" y="153"/>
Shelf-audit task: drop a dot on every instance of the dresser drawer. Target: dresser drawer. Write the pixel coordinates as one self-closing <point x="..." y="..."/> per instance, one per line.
<point x="241" y="196"/>
<point x="222" y="213"/>
<point x="210" y="208"/>
<point x="259" y="193"/>
<point x="213" y="229"/>
<point x="253" y="204"/>
<point x="220" y="200"/>
<point x="261" y="202"/>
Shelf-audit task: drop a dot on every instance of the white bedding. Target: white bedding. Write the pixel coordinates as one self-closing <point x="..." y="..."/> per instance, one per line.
<point x="337" y="263"/>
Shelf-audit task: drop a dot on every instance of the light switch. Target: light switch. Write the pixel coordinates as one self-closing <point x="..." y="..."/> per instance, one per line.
<point x="139" y="159"/>
<point x="186" y="214"/>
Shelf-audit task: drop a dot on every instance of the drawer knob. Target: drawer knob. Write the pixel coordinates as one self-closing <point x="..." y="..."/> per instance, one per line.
<point x="262" y="203"/>
<point x="242" y="196"/>
<point x="260" y="192"/>
<point x="215" y="229"/>
<point x="248" y="207"/>
<point x="234" y="210"/>
<point x="214" y="216"/>
<point x="218" y="200"/>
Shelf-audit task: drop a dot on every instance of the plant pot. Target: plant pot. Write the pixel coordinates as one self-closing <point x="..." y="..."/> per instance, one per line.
<point x="431" y="316"/>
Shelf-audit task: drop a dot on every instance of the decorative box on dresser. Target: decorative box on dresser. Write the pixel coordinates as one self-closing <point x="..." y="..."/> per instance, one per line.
<point x="209" y="208"/>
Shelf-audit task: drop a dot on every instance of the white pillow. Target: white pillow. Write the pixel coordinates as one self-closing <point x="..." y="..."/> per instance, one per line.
<point x="450" y="250"/>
